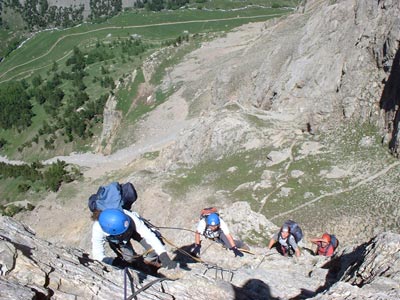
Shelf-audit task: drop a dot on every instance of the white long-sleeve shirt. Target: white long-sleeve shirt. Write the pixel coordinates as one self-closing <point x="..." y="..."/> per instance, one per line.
<point x="99" y="237"/>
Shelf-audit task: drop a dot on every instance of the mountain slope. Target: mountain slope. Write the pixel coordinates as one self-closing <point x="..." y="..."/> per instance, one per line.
<point x="275" y="120"/>
<point x="275" y="114"/>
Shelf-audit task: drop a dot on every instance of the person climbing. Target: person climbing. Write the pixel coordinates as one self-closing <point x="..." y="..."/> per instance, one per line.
<point x="214" y="228"/>
<point x="118" y="227"/>
<point x="326" y="245"/>
<point x="285" y="242"/>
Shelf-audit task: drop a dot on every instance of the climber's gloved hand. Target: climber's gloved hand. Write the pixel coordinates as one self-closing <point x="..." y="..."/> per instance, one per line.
<point x="196" y="250"/>
<point x="166" y="262"/>
<point x="236" y="251"/>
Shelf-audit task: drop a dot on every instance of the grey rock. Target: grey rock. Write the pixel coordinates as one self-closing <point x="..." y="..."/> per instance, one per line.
<point x="44" y="270"/>
<point x="374" y="262"/>
<point x="332" y="62"/>
<point x="10" y="290"/>
<point x="214" y="136"/>
<point x="369" y="271"/>
<point x="296" y="173"/>
<point x="7" y="257"/>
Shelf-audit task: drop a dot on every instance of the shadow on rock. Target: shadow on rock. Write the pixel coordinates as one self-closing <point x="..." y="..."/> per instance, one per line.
<point x="253" y="289"/>
<point x="184" y="257"/>
<point x="85" y="259"/>
<point x="339" y="266"/>
<point x="389" y="102"/>
<point x="138" y="265"/>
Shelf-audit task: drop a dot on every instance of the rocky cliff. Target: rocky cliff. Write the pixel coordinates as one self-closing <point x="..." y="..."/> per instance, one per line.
<point x="259" y="115"/>
<point x="31" y="268"/>
<point x="332" y="62"/>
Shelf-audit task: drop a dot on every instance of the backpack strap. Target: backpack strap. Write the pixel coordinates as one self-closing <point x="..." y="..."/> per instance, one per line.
<point x="287" y="239"/>
<point x="326" y="249"/>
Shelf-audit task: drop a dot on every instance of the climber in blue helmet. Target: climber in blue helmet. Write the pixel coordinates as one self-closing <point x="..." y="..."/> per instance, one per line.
<point x="214" y="228"/>
<point x="118" y="227"/>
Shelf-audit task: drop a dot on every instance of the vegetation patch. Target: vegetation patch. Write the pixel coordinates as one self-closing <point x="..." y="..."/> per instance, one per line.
<point x="222" y="174"/>
<point x="126" y="95"/>
<point x="77" y="83"/>
<point x="12" y="209"/>
<point x="151" y="155"/>
<point x="257" y="238"/>
<point x="34" y="178"/>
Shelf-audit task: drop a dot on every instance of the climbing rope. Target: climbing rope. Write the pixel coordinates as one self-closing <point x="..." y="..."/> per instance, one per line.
<point x="209" y="266"/>
<point x="182" y="251"/>
<point x="125" y="275"/>
<point x="176" y="228"/>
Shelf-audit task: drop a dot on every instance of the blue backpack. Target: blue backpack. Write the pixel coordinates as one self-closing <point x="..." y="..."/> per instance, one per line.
<point x="113" y="195"/>
<point x="334" y="241"/>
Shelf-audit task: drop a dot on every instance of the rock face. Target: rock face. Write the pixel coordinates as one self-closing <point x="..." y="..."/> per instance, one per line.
<point x="31" y="268"/>
<point x="367" y="273"/>
<point x="215" y="136"/>
<point x="333" y="61"/>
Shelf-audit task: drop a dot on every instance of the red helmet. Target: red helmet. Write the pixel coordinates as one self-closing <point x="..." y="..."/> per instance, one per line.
<point x="326" y="237"/>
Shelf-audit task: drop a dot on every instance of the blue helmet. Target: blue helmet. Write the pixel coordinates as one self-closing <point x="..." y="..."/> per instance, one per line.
<point x="113" y="221"/>
<point x="213" y="219"/>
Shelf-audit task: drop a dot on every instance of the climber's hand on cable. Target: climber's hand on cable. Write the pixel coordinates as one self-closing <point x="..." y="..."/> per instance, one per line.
<point x="196" y="250"/>
<point x="236" y="251"/>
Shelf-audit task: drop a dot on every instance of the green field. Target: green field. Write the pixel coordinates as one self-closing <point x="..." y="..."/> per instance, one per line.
<point x="46" y="47"/>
